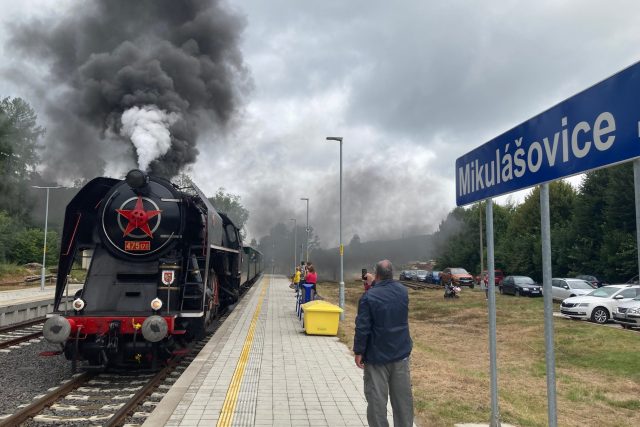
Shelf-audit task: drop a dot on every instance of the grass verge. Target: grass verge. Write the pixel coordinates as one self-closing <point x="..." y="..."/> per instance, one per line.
<point x="597" y="368"/>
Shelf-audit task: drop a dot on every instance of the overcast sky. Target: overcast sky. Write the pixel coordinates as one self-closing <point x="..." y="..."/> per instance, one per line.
<point x="409" y="85"/>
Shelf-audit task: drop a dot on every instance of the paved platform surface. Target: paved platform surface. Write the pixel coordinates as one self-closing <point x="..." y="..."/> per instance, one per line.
<point x="261" y="369"/>
<point x="20" y="296"/>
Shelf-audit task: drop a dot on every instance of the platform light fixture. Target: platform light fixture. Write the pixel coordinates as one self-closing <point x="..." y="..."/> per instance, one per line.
<point x="307" y="255"/>
<point x="46" y="220"/>
<point x="295" y="243"/>
<point x="339" y="139"/>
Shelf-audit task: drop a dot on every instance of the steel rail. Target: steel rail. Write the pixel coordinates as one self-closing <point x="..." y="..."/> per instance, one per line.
<point x="420" y="285"/>
<point x="121" y="415"/>
<point x="20" y="325"/>
<point x="48" y="399"/>
<point x="21" y="339"/>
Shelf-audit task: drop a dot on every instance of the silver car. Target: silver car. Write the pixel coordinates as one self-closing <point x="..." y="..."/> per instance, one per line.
<point x="566" y="288"/>
<point x="628" y="314"/>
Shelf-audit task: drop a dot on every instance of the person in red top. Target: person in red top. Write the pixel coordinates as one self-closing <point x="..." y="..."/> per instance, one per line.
<point x="312" y="277"/>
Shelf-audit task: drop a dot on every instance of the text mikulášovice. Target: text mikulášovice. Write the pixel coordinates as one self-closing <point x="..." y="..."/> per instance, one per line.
<point x="519" y="157"/>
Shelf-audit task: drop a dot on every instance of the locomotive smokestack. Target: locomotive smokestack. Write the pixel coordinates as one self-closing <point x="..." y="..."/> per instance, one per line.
<point x="137" y="179"/>
<point x="135" y="79"/>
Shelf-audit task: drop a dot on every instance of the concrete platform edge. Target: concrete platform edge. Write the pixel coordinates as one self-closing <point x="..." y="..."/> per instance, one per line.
<point x="166" y="407"/>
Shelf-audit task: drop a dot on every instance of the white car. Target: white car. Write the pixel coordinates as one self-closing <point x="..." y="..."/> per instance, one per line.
<point x="628" y="314"/>
<point x="600" y="304"/>
<point x="565" y="288"/>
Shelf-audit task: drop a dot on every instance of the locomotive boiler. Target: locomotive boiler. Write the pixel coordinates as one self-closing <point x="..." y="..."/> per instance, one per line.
<point x="164" y="264"/>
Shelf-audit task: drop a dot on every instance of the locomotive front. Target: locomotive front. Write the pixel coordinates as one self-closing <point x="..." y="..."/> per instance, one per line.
<point x="141" y="232"/>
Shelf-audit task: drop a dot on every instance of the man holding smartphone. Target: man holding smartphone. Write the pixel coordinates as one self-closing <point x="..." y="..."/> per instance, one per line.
<point x="367" y="280"/>
<point x="382" y="345"/>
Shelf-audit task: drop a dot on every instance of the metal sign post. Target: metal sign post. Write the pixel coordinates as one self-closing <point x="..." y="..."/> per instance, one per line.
<point x="550" y="358"/>
<point x="636" y="190"/>
<point x="481" y="244"/>
<point x="493" y="346"/>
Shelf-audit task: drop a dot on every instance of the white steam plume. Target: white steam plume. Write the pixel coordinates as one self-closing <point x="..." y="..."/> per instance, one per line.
<point x="148" y="129"/>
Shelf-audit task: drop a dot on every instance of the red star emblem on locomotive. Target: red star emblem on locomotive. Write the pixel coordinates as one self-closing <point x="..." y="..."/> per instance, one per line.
<point x="138" y="218"/>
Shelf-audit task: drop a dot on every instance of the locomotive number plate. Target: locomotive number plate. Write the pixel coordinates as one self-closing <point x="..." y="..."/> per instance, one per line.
<point x="133" y="245"/>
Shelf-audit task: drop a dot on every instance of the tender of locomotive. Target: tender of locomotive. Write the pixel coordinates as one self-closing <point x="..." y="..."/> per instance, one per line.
<point x="163" y="264"/>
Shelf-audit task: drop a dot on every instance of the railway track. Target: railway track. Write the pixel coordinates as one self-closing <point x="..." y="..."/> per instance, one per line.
<point x="108" y="399"/>
<point x="420" y="285"/>
<point x="16" y="334"/>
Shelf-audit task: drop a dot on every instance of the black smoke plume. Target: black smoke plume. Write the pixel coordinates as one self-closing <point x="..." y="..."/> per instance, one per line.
<point x="138" y="78"/>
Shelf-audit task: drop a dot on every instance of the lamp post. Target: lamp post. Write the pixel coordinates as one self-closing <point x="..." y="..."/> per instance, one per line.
<point x="307" y="256"/>
<point x="46" y="220"/>
<point x="339" y="139"/>
<point x="295" y="241"/>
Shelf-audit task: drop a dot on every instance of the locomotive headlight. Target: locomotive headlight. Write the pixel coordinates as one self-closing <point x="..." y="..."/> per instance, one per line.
<point x="78" y="304"/>
<point x="156" y="304"/>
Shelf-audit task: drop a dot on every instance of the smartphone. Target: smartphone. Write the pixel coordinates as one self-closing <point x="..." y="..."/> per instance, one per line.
<point x="364" y="274"/>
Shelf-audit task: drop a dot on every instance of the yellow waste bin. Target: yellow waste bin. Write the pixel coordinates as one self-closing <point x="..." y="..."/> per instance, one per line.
<point x="321" y="318"/>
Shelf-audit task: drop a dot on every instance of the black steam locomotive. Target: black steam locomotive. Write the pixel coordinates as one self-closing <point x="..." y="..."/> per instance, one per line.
<point x="164" y="263"/>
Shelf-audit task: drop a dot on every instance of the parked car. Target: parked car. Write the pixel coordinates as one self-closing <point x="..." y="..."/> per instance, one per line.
<point x="566" y="288"/>
<point x="456" y="276"/>
<point x="520" y="285"/>
<point x="628" y="314"/>
<point x="408" y="275"/>
<point x="421" y="275"/>
<point x="595" y="281"/>
<point x="484" y="277"/>
<point x="433" y="277"/>
<point x="599" y="304"/>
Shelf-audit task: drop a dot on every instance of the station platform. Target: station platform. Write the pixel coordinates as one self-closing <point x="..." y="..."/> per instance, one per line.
<point x="21" y="296"/>
<point x="261" y="369"/>
<point x="28" y="303"/>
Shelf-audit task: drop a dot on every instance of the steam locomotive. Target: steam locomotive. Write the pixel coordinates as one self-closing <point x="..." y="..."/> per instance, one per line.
<point x="164" y="264"/>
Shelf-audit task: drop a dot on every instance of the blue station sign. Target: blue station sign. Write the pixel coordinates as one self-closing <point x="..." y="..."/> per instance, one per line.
<point x="599" y="126"/>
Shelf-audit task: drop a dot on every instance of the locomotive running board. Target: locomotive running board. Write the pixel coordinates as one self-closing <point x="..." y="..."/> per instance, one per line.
<point x="221" y="248"/>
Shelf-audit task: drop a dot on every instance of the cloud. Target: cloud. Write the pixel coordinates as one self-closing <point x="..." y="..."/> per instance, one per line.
<point x="106" y="60"/>
<point x="410" y="87"/>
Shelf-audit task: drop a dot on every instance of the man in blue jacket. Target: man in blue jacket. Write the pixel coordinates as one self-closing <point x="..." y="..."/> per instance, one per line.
<point x="382" y="346"/>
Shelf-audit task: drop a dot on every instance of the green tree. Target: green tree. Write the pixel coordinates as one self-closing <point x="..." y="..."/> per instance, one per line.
<point x="603" y="228"/>
<point x="224" y="202"/>
<point x="28" y="244"/>
<point x="618" y="248"/>
<point x="521" y="249"/>
<point x="19" y="134"/>
<point x="231" y="205"/>
<point x="588" y="221"/>
<point x="458" y="240"/>
<point x="8" y="229"/>
<point x="516" y="234"/>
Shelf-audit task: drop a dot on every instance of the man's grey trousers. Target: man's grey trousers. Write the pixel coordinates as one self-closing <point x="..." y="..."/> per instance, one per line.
<point x="381" y="382"/>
